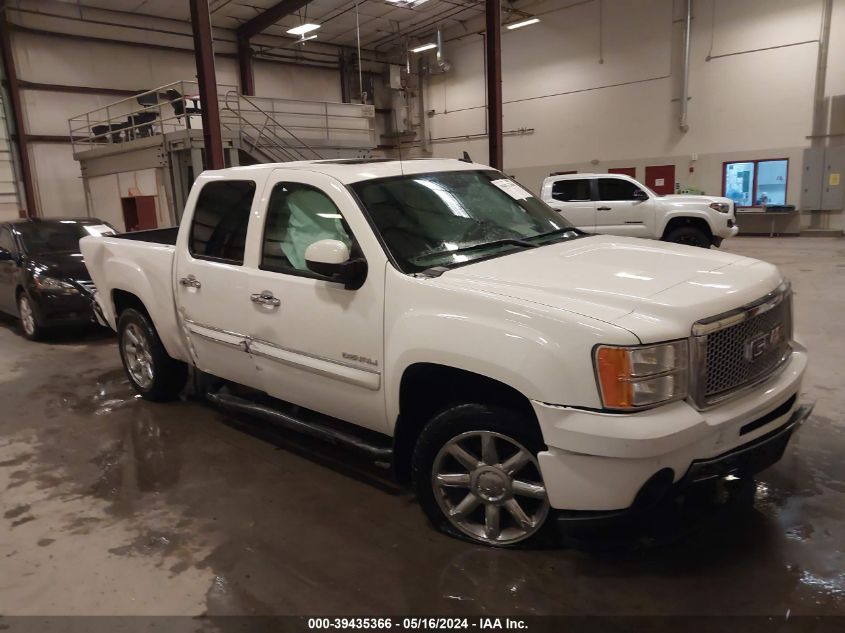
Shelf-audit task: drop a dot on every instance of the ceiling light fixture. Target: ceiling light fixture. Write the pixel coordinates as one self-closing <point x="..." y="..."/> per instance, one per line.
<point x="521" y="23"/>
<point x="302" y="29"/>
<point x="305" y="38"/>
<point x="424" y="47"/>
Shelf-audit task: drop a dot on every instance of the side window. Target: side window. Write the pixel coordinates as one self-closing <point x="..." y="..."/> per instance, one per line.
<point x="571" y="190"/>
<point x="218" y="228"/>
<point x="7" y="242"/>
<point x="297" y="216"/>
<point x="617" y="189"/>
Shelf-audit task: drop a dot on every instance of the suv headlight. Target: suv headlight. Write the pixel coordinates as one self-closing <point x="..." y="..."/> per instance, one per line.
<point x="721" y="207"/>
<point x="51" y="284"/>
<point x="636" y="377"/>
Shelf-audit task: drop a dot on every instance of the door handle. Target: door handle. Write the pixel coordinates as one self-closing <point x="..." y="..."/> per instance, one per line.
<point x="265" y="298"/>
<point x="190" y="282"/>
<point x="603" y="208"/>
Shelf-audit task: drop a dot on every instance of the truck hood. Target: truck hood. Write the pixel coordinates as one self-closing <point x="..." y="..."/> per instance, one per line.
<point x="609" y="277"/>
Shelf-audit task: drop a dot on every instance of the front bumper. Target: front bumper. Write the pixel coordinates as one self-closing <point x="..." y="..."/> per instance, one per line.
<point x="601" y="462"/>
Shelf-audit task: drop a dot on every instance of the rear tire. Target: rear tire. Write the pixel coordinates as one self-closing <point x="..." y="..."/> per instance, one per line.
<point x="29" y="321"/>
<point x="689" y="236"/>
<point x="151" y="370"/>
<point x="492" y="493"/>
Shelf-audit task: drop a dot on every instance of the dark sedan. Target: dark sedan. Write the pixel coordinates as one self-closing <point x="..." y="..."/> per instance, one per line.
<point x="43" y="279"/>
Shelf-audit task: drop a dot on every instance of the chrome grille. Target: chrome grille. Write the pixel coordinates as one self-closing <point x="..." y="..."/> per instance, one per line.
<point x="87" y="285"/>
<point x="741" y="348"/>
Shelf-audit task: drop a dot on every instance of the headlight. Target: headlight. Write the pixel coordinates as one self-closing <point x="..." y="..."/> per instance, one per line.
<point x="51" y="284"/>
<point x="721" y="207"/>
<point x="641" y="376"/>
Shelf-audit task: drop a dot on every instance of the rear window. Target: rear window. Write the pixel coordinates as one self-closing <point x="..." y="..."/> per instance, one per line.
<point x="571" y="190"/>
<point x="218" y="228"/>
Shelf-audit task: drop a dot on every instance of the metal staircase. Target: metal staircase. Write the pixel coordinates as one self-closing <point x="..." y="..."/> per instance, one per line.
<point x="260" y="132"/>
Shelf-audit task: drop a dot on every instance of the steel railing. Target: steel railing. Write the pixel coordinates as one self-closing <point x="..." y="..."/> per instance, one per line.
<point x="277" y="129"/>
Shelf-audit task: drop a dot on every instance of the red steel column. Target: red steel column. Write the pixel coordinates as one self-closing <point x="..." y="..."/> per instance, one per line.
<point x="17" y="112"/>
<point x="204" y="53"/>
<point x="493" y="53"/>
<point x="247" y="77"/>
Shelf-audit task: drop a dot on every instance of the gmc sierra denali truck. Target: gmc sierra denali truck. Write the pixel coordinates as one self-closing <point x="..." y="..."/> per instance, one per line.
<point x="615" y="204"/>
<point x="435" y="315"/>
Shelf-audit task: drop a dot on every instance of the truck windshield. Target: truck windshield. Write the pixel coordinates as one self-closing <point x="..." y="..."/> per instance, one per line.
<point x="455" y="217"/>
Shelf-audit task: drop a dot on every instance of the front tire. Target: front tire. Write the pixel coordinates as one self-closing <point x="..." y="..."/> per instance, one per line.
<point x="151" y="370"/>
<point x="690" y="236"/>
<point x="476" y="476"/>
<point x="29" y="321"/>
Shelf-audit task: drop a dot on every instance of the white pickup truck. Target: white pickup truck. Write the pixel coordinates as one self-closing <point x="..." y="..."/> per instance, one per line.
<point x="435" y="315"/>
<point x="615" y="204"/>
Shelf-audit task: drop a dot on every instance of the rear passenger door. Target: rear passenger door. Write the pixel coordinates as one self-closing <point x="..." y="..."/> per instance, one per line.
<point x="212" y="283"/>
<point x="572" y="198"/>
<point x="620" y="212"/>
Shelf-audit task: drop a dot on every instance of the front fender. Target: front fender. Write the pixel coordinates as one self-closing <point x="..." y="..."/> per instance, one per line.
<point x="542" y="352"/>
<point x="682" y="211"/>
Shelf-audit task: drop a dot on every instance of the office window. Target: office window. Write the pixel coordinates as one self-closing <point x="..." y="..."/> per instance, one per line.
<point x="756" y="183"/>
<point x="218" y="229"/>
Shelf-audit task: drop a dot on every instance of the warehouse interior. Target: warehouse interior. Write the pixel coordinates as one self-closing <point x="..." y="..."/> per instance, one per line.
<point x="113" y="505"/>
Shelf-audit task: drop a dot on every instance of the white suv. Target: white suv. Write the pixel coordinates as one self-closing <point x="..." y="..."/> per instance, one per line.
<point x="615" y="204"/>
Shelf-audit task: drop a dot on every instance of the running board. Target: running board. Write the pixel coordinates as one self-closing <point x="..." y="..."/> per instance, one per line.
<point x="315" y="429"/>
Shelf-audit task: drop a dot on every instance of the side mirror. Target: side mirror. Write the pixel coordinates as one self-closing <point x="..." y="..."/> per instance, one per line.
<point x="639" y="194"/>
<point x="331" y="258"/>
<point x="5" y="256"/>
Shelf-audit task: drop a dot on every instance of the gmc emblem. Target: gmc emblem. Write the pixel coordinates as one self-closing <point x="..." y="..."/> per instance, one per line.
<point x="757" y="346"/>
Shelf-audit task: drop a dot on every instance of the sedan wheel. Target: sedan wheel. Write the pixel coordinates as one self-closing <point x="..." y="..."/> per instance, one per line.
<point x="136" y="352"/>
<point x="489" y="487"/>
<point x="28" y="323"/>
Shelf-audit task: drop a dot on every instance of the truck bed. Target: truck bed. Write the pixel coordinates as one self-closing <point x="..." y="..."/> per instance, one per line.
<point x="155" y="236"/>
<point x="139" y="264"/>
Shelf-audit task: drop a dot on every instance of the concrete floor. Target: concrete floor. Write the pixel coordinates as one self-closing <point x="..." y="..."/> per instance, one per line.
<point x="112" y="505"/>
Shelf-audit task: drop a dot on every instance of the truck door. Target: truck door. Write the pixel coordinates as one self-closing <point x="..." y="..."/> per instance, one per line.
<point x="572" y="198"/>
<point x="211" y="279"/>
<point x="317" y="344"/>
<point x="619" y="210"/>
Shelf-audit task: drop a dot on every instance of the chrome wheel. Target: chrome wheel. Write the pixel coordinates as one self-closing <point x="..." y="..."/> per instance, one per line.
<point x="27" y="315"/>
<point x="137" y="356"/>
<point x="490" y="488"/>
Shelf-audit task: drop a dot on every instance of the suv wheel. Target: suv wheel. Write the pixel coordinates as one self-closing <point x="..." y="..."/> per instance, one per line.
<point x="689" y="235"/>
<point x="29" y="322"/>
<point x="153" y="373"/>
<point x="476" y="475"/>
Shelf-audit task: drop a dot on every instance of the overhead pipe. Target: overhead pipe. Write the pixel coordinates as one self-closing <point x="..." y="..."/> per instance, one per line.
<point x="684" y="124"/>
<point x="819" y="123"/>
<point x="442" y="64"/>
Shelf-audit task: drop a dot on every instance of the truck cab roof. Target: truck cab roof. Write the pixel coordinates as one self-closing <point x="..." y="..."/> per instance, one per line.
<point x="352" y="170"/>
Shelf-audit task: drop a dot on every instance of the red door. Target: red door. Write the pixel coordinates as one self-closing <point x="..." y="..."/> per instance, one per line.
<point x="660" y="178"/>
<point x="625" y="171"/>
<point x="139" y="213"/>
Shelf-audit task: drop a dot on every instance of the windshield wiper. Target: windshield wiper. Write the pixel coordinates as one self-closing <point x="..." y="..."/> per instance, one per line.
<point x="556" y="232"/>
<point x="510" y="241"/>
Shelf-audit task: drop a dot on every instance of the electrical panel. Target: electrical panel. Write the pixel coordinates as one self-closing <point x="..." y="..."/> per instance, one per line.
<point x="833" y="187"/>
<point x="823" y="179"/>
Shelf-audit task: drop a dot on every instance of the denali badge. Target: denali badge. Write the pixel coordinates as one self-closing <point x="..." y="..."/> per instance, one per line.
<point x="757" y="346"/>
<point x="360" y="359"/>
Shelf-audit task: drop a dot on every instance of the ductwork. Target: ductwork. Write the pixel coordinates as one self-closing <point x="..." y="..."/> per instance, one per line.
<point x="684" y="124"/>
<point x="442" y="64"/>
